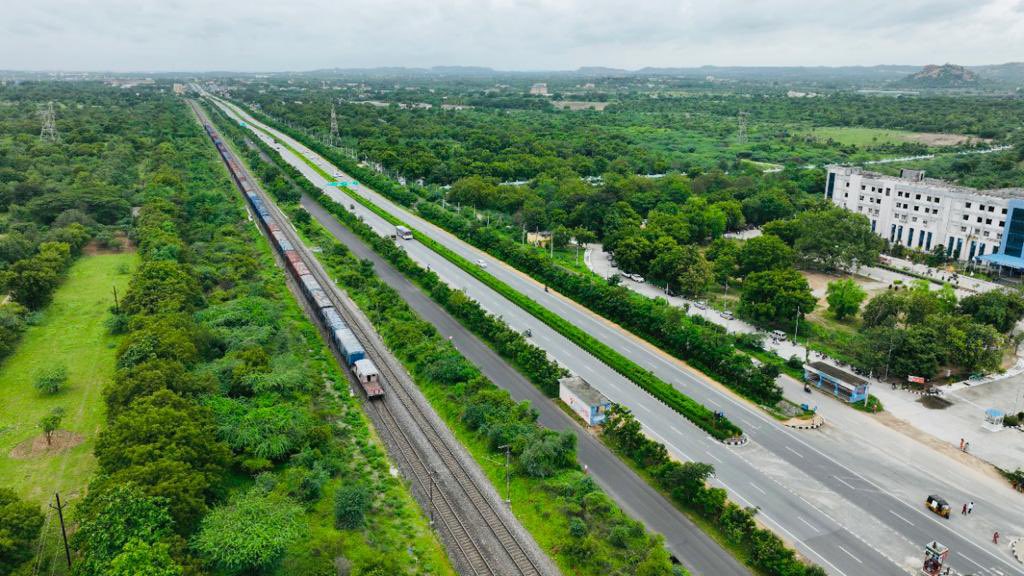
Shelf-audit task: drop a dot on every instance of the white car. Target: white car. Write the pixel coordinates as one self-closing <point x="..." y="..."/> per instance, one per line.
<point x="727" y="315"/>
<point x="481" y="263"/>
<point x="700" y="305"/>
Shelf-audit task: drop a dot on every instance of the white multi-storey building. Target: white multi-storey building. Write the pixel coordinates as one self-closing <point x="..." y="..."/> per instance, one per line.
<point x="923" y="213"/>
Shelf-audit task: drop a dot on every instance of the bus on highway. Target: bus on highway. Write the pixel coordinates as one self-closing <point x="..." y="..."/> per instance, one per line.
<point x="403" y="232"/>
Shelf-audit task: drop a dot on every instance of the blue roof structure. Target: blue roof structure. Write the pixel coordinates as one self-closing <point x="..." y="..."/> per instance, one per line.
<point x="1003" y="260"/>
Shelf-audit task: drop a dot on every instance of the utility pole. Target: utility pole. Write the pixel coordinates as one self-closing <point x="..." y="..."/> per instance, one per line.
<point x="508" y="483"/>
<point x="63" y="532"/>
<point x="430" y="505"/>
<point x="117" y="305"/>
<point x="796" y="328"/>
<point x="48" y="132"/>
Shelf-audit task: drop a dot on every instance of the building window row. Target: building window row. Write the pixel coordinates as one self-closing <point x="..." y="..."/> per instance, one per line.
<point x="984" y="208"/>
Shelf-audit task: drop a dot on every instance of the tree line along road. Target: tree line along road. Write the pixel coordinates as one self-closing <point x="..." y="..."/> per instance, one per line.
<point x="895" y="530"/>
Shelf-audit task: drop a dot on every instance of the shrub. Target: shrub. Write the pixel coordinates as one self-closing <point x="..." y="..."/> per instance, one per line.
<point x="351" y="502"/>
<point x="51" y="380"/>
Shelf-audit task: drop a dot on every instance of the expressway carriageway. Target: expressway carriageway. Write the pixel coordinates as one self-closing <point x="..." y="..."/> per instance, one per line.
<point x="821" y="495"/>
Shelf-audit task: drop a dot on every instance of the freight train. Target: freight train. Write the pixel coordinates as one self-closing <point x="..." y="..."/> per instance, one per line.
<point x="343" y="339"/>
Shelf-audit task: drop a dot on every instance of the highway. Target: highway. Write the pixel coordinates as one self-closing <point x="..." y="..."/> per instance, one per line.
<point x="824" y="493"/>
<point x="695" y="550"/>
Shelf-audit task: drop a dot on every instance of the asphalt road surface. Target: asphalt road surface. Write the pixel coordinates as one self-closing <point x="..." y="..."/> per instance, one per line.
<point x="686" y="541"/>
<point x="830" y="495"/>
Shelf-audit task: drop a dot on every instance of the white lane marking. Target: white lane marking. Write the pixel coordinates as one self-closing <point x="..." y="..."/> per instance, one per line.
<point x="712" y="401"/>
<point x="712" y="456"/>
<point x="968" y="558"/>
<point x="758" y="488"/>
<point x="794" y="452"/>
<point x="795" y="539"/>
<point x="813" y="527"/>
<point x="844" y="482"/>
<point x="674" y="429"/>
<point x="667" y="443"/>
<point x="762" y="417"/>
<point x="849" y="554"/>
<point x="825" y="514"/>
<point x="737" y="494"/>
<point x="901" y="517"/>
<point x="644" y="408"/>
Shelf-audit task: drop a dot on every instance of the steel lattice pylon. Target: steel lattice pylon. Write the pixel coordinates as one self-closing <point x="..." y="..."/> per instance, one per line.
<point x="48" y="132"/>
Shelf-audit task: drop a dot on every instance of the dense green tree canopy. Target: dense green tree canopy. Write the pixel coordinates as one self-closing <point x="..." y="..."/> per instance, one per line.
<point x="845" y="297"/>
<point x="776" y="296"/>
<point x="765" y="252"/>
<point x="250" y="533"/>
<point x="20" y="523"/>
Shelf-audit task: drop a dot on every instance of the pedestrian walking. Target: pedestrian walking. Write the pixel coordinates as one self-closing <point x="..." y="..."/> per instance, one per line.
<point x="964" y="511"/>
<point x="970" y="507"/>
<point x="967" y="446"/>
<point x="995" y="537"/>
<point x="961" y="440"/>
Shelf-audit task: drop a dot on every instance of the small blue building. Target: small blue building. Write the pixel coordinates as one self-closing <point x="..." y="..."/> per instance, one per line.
<point x="840" y="383"/>
<point x="583" y="399"/>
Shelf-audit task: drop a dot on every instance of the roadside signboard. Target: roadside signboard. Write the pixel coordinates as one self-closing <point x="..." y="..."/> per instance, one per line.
<point x="342" y="183"/>
<point x="915" y="379"/>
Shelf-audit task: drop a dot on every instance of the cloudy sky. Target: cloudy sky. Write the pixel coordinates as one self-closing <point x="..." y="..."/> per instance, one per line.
<point x="508" y="34"/>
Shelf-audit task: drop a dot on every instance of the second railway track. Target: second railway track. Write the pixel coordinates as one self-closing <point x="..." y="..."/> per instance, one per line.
<point x="456" y="522"/>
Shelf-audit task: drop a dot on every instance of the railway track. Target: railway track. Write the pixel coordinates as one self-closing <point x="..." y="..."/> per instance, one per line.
<point x="451" y="517"/>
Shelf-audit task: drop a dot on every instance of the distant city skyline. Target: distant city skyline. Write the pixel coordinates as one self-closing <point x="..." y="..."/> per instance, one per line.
<point x="192" y="35"/>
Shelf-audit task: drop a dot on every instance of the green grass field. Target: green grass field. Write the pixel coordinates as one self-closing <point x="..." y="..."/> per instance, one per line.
<point x="70" y="331"/>
<point x="865" y="136"/>
<point x="861" y="136"/>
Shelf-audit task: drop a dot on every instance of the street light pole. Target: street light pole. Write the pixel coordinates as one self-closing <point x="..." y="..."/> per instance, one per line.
<point x="888" y="357"/>
<point x="508" y="484"/>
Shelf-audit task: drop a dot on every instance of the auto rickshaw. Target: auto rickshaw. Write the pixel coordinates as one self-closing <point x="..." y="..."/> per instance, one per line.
<point x="937" y="505"/>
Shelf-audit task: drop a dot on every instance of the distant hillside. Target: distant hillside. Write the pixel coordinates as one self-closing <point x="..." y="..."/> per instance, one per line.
<point x="945" y="76"/>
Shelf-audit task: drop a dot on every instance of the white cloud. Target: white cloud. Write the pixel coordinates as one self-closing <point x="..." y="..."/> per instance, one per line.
<point x="509" y="34"/>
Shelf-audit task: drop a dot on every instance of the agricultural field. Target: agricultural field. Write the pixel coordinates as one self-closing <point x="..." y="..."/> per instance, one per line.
<point x="70" y="332"/>
<point x="868" y="137"/>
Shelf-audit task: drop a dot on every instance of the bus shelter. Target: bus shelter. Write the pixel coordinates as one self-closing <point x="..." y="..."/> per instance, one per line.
<point x="840" y="383"/>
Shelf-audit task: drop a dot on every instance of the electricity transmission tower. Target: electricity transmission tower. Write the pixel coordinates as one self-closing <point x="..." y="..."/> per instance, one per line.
<point x="334" y="127"/>
<point x="741" y="121"/>
<point x="48" y="133"/>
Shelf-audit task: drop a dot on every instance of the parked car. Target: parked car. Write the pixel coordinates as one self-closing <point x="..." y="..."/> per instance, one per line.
<point x="700" y="305"/>
<point x="727" y="315"/>
<point x="778" y="335"/>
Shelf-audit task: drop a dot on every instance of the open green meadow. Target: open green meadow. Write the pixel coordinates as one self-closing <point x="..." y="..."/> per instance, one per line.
<point x="866" y="137"/>
<point x="69" y="331"/>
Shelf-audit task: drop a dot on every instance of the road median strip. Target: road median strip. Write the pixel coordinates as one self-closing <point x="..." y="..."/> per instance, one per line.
<point x="718" y="427"/>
